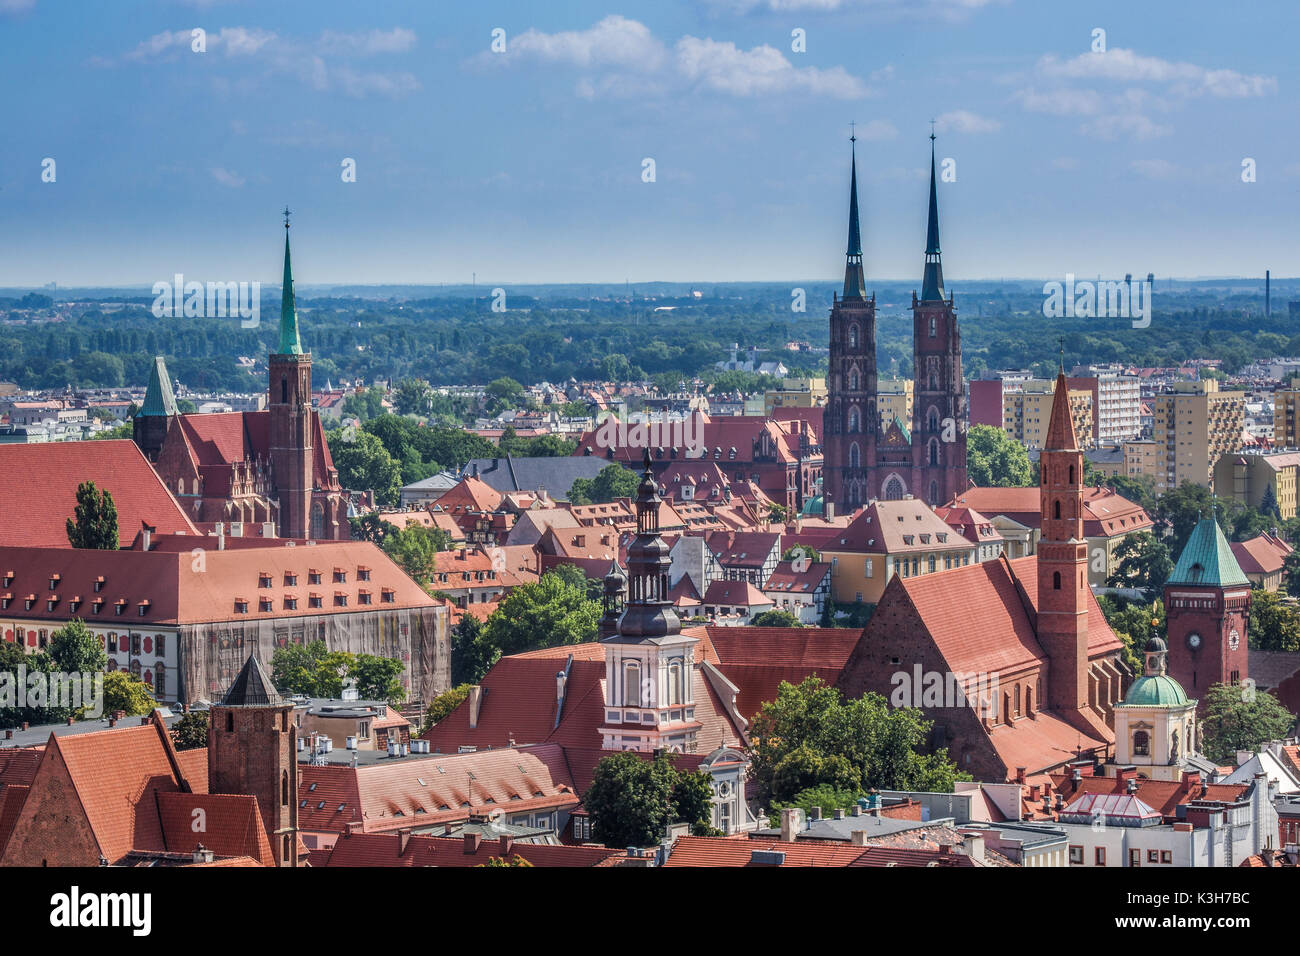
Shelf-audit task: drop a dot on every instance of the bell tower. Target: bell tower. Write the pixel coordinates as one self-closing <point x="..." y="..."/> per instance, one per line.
<point x="1063" y="563"/>
<point x="252" y="749"/>
<point x="939" y="402"/>
<point x="289" y="402"/>
<point x="851" y="421"/>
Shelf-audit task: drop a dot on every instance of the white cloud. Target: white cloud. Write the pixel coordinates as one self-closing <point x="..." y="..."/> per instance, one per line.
<point x="1063" y="102"/>
<point x="613" y="42"/>
<point x="724" y="67"/>
<point x="876" y="131"/>
<point x="227" y="178"/>
<point x="1135" y="125"/>
<point x="964" y="121"/>
<point x="16" y="6"/>
<point x="1186" y="78"/>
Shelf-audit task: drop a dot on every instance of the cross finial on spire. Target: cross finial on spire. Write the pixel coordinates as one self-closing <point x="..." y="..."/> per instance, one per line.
<point x="932" y="122"/>
<point x="286" y="217"/>
<point x="1062" y="340"/>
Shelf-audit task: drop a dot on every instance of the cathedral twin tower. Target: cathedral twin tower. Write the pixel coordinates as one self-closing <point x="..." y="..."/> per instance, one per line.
<point x="866" y="458"/>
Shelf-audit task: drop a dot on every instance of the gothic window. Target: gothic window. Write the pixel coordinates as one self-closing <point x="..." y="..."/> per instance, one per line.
<point x="894" y="489"/>
<point x="1056" y="509"/>
<point x="934" y="492"/>
<point x="230" y="722"/>
<point x="1056" y="580"/>
<point x="853" y="336"/>
<point x="317" y="520"/>
<point x="853" y="380"/>
<point x="1017" y="700"/>
<point x="1029" y="701"/>
<point x="855" y="456"/>
<point x="284" y="391"/>
<point x="934" y="451"/>
<point x="855" y="421"/>
<point x="931" y="326"/>
<point x="1141" y="744"/>
<point x="284" y="788"/>
<point x="932" y="422"/>
<point x="1071" y="474"/>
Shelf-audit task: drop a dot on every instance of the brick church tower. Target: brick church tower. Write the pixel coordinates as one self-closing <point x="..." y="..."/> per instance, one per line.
<point x="289" y="402"/>
<point x="1207" y="600"/>
<point x="252" y="749"/>
<point x="1063" y="563"/>
<point x="851" y="419"/>
<point x="939" y="403"/>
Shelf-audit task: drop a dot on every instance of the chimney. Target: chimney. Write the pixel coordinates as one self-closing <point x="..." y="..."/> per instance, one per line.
<point x="559" y="687"/>
<point x="507" y="844"/>
<point x="475" y="702"/>
<point x="1020" y="775"/>
<point x="146" y="534"/>
<point x="858" y="837"/>
<point x="839" y="813"/>
<point x="945" y="849"/>
<point x="472" y="841"/>
<point x="1133" y="785"/>
<point x="202" y="854"/>
<point x="815" y="813"/>
<point x="973" y="844"/>
<point x="403" y="839"/>
<point x="791" y="824"/>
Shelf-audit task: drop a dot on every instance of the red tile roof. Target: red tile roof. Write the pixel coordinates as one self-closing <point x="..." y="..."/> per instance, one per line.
<point x="385" y="849"/>
<point x="758" y="659"/>
<point x="1263" y="554"/>
<point x="231" y="825"/>
<point x="1105" y="512"/>
<point x="41" y="481"/>
<point x="735" y="593"/>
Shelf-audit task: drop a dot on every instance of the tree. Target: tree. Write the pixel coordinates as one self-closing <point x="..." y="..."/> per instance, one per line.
<point x="1179" y="509"/>
<point x="1237" y="717"/>
<point x="1274" y="626"/>
<point x="1140" y="489"/>
<point x="415" y="548"/>
<point x="775" y="619"/>
<point x="503" y="394"/>
<point x="1132" y="622"/>
<point x="126" y="693"/>
<point x="809" y="736"/>
<point x="444" y="704"/>
<point x="471" y="654"/>
<point x="612" y="481"/>
<point x="371" y="528"/>
<point x="824" y="796"/>
<point x="311" y="669"/>
<point x="13" y="657"/>
<point x="546" y="613"/>
<point x="412" y="397"/>
<point x="378" y="678"/>
<point x="632" y="801"/>
<point x="74" y="650"/>
<point x="1268" y="504"/>
<point x="778" y="514"/>
<point x="994" y="459"/>
<point x="1142" y="561"/>
<point x="511" y="861"/>
<point x="364" y="405"/>
<point x="94" y="524"/>
<point x="191" y="731"/>
<point x="1291" y="574"/>
<point x="364" y="464"/>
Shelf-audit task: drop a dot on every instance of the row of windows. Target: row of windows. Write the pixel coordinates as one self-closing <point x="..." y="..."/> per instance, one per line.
<point x="1134" y="856"/>
<point x="267" y="605"/>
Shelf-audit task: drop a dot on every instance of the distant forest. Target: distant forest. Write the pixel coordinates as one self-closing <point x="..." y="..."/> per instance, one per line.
<point x="454" y="339"/>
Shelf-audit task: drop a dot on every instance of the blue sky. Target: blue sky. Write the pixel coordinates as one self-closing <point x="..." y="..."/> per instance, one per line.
<point x="526" y="166"/>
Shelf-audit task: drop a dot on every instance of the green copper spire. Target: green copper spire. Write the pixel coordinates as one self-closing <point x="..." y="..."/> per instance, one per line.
<point x="159" y="399"/>
<point x="1207" y="559"/>
<point x="855" y="282"/>
<point x="289" y="342"/>
<point x="932" y="284"/>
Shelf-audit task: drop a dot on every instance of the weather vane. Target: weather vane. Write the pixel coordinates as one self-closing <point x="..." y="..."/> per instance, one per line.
<point x="853" y="133"/>
<point x="932" y="131"/>
<point x="286" y="217"/>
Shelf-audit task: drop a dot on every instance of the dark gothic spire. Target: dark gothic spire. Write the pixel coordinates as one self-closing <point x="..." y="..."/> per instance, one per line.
<point x="855" y="282"/>
<point x="932" y="285"/>
<point x="289" y="341"/>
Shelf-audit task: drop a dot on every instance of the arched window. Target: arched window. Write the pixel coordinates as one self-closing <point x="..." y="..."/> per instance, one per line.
<point x="1056" y="509"/>
<point x="159" y="680"/>
<point x="934" y="451"/>
<point x="1141" y="744"/>
<point x="230" y="721"/>
<point x="932" y="419"/>
<point x="853" y="380"/>
<point x="855" y="456"/>
<point x="853" y="336"/>
<point x="853" y="421"/>
<point x="674" y="683"/>
<point x="284" y="788"/>
<point x="632" y="684"/>
<point x="931" y="326"/>
<point x="1017" y="700"/>
<point x="1006" y="707"/>
<point x="894" y="489"/>
<point x="1071" y="474"/>
<point x="934" y="492"/>
<point x="284" y="390"/>
<point x="1029" y="701"/>
<point x="1056" y="580"/>
<point x="317" y="520"/>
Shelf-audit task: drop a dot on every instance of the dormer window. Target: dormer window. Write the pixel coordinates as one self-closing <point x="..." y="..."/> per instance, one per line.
<point x="340" y="576"/>
<point x="290" y="603"/>
<point x="99" y="584"/>
<point x="363" y="574"/>
<point x="290" y="579"/>
<point x="264" y="605"/>
<point x="313" y="576"/>
<point x="143" y="607"/>
<point x="264" y="579"/>
<point x="314" y="600"/>
<point x="388" y="596"/>
<point x="119" y="607"/>
<point x="340" y="599"/>
<point x="8" y="579"/>
<point x="241" y="606"/>
<point x="364" y="597"/>
<point x="54" y="582"/>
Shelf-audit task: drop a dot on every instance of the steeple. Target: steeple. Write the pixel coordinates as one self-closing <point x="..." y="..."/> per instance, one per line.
<point x="289" y="342"/>
<point x="932" y="284"/>
<point x="159" y="399"/>
<point x="648" y="612"/>
<point x="855" y="282"/>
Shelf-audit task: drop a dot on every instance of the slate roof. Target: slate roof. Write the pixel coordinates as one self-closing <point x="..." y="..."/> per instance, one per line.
<point x="555" y="474"/>
<point x="252" y="688"/>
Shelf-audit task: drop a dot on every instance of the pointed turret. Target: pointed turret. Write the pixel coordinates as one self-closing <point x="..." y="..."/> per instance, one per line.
<point x="159" y="399"/>
<point x="252" y="688"/>
<point x="855" y="281"/>
<point x="1060" y="429"/>
<point x="932" y="284"/>
<point x="289" y="341"/>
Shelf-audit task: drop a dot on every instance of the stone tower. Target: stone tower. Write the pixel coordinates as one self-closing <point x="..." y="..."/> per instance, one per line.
<point x="851" y="419"/>
<point x="1207" y="601"/>
<point x="939" y="403"/>
<point x="1063" y="563"/>
<point x="149" y="427"/>
<point x="289" y="402"/>
<point x="252" y="749"/>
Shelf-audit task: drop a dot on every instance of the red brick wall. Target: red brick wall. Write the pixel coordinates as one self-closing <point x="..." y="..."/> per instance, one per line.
<point x="52" y="829"/>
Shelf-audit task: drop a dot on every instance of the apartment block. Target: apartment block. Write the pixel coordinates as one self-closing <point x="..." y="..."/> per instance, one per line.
<point x="894" y="399"/>
<point x="1194" y="424"/>
<point x="1116" y="404"/>
<point x="1025" y="413"/>
<point x="1286" y="430"/>
<point x="1249" y="476"/>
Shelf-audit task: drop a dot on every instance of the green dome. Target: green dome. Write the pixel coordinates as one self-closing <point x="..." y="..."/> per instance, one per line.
<point x="814" y="506"/>
<point x="1157" y="691"/>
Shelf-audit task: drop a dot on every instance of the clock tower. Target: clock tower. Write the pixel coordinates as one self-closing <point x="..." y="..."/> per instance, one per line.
<point x="1207" y="600"/>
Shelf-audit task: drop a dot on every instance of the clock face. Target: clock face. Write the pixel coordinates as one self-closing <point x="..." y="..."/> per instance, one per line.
<point x="1234" y="639"/>
<point x="1193" y="641"/>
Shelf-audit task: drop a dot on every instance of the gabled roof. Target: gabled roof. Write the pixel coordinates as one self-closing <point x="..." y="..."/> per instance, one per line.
<point x="1262" y="554"/>
<point x="1207" y="560"/>
<point x="48" y="475"/>
<point x="386" y="849"/>
<point x="158" y="396"/>
<point x="232" y="825"/>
